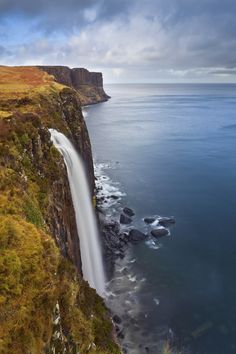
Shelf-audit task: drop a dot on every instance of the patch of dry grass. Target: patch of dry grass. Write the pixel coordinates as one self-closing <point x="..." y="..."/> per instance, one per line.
<point x="19" y="82"/>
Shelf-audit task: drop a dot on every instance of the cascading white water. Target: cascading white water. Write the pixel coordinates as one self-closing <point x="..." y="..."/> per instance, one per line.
<point x="92" y="265"/>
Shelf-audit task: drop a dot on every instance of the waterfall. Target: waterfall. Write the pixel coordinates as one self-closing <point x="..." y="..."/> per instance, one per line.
<point x="91" y="256"/>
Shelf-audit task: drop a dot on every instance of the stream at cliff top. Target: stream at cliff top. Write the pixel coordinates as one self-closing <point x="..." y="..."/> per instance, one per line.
<point x="170" y="150"/>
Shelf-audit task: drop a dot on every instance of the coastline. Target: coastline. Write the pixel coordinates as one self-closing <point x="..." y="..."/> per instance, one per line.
<point x="125" y="284"/>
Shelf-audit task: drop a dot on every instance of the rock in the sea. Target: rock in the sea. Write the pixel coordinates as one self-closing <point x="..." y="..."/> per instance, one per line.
<point x="121" y="334"/>
<point x="165" y="221"/>
<point x="159" y="232"/>
<point x="114" y="196"/>
<point x="125" y="219"/>
<point x="136" y="236"/>
<point x="117" y="319"/>
<point x="149" y="220"/>
<point x="128" y="211"/>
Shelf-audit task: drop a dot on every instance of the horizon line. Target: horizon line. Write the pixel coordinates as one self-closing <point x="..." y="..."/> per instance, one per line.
<point x="170" y="83"/>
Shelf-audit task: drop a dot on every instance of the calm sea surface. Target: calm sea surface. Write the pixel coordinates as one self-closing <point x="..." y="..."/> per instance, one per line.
<point x="172" y="149"/>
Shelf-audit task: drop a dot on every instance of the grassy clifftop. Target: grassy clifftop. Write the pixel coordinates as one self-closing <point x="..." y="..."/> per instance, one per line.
<point x="45" y="306"/>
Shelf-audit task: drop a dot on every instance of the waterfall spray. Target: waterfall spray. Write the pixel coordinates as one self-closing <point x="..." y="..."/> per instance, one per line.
<point x="91" y="255"/>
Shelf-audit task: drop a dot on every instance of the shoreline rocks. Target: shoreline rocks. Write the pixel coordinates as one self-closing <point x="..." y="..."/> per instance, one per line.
<point x="166" y="221"/>
<point x="125" y="219"/>
<point x="118" y="238"/>
<point x="149" y="220"/>
<point x="136" y="236"/>
<point x="117" y="319"/>
<point x="114" y="243"/>
<point x="128" y="211"/>
<point x="160" y="232"/>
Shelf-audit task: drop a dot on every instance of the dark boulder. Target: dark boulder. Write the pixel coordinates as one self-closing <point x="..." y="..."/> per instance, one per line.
<point x="136" y="236"/>
<point x="121" y="334"/>
<point x="124" y="219"/>
<point x="128" y="211"/>
<point x="159" y="232"/>
<point x="166" y="221"/>
<point x="149" y="220"/>
<point x="114" y="196"/>
<point x="117" y="319"/>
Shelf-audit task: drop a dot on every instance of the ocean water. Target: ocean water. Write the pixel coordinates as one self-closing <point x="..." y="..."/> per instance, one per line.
<point x="172" y="150"/>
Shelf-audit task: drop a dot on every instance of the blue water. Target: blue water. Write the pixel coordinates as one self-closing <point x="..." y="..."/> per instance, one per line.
<point x="174" y="149"/>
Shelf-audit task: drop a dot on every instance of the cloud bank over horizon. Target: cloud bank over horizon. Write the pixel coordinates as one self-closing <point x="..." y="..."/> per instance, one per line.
<point x="129" y="41"/>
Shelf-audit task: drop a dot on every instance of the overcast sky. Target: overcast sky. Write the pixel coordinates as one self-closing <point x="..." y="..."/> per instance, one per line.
<point x="128" y="40"/>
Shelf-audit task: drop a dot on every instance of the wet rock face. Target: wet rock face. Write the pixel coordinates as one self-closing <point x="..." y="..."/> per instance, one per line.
<point x="61" y="220"/>
<point x="114" y="243"/>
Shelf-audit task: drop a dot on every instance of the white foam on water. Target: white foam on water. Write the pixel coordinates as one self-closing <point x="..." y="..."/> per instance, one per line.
<point x="160" y="227"/>
<point x="157" y="302"/>
<point x="110" y="293"/>
<point x="132" y="278"/>
<point x="107" y="190"/>
<point x="155" y="223"/>
<point x="152" y="244"/>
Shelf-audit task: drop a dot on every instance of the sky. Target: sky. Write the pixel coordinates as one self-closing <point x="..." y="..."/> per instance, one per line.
<point x="128" y="40"/>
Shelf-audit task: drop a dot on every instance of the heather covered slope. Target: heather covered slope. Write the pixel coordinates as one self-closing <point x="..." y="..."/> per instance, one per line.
<point x="45" y="306"/>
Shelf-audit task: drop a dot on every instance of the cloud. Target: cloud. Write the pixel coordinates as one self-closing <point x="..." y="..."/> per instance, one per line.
<point x="60" y="15"/>
<point x="134" y="40"/>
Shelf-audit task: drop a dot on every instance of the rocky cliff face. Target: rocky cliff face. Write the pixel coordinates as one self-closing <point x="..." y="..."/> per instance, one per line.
<point x="88" y="84"/>
<point x="45" y="306"/>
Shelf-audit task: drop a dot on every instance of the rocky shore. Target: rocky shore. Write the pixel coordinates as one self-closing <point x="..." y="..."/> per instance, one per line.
<point x="119" y="236"/>
<point x="119" y="233"/>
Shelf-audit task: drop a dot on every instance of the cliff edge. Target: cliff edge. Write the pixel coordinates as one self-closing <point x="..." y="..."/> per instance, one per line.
<point x="89" y="85"/>
<point x="45" y="305"/>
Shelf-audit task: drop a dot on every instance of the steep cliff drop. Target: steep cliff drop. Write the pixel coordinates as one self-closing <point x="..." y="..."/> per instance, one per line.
<point x="89" y="85"/>
<point x="92" y="266"/>
<point x="45" y="304"/>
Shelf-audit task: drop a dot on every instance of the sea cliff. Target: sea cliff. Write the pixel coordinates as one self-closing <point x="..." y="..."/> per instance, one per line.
<point x="89" y="85"/>
<point x="45" y="306"/>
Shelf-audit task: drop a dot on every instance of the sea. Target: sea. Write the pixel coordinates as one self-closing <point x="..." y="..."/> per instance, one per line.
<point x="170" y="150"/>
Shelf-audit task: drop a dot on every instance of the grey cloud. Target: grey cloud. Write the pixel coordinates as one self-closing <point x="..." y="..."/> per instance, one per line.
<point x="230" y="71"/>
<point x="172" y="37"/>
<point x="59" y="15"/>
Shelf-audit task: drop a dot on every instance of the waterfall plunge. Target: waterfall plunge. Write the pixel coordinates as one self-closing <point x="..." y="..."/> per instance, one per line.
<point x="92" y="265"/>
